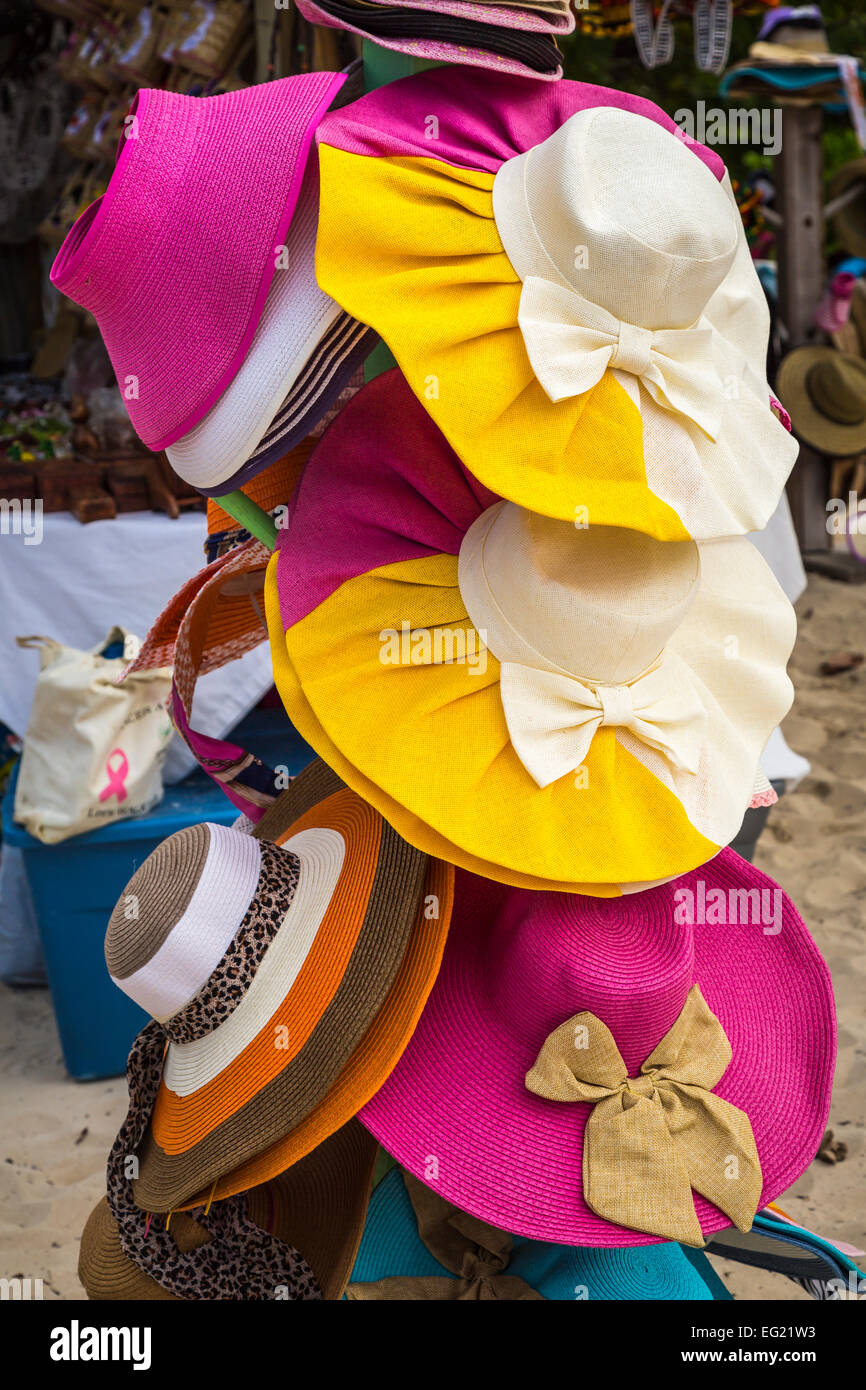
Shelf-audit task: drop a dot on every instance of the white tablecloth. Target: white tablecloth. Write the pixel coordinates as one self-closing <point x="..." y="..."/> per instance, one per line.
<point x="81" y="580"/>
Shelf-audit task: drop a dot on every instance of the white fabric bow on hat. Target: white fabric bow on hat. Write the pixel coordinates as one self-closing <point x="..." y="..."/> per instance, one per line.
<point x="552" y="718"/>
<point x="572" y="342"/>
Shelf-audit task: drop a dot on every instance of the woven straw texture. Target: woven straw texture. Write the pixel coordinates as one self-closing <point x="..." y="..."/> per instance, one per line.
<point x="448" y="40"/>
<point x="456" y="1111"/>
<point x="318" y="1206"/>
<point x="370" y="555"/>
<point x="393" y="1248"/>
<point x="257" y="1074"/>
<point x="176" y="259"/>
<point x="484" y="252"/>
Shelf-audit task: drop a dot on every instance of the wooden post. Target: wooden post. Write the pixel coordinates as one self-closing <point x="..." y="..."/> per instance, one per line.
<point x="800" y="201"/>
<point x="799" y="172"/>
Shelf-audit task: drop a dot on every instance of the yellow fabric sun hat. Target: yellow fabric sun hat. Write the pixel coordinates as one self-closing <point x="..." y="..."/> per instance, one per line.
<point x="516" y="695"/>
<point x="581" y="319"/>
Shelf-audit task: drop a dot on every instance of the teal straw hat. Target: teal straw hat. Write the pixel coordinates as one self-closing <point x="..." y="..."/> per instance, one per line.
<point x="477" y="1262"/>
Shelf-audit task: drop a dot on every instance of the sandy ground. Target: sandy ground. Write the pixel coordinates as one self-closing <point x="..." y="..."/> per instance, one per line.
<point x="56" y="1132"/>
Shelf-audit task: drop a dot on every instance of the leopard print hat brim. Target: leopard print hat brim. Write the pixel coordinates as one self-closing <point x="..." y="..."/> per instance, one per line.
<point x="309" y="1221"/>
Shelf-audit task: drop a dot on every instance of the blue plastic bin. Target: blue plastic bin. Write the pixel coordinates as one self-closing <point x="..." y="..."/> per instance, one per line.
<point x="76" y="884"/>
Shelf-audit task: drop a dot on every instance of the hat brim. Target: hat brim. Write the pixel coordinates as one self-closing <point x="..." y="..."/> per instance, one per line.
<point x="318" y="1207"/>
<point x="328" y="372"/>
<point x="481" y="809"/>
<point x="515" y="1159"/>
<point x="438" y="50"/>
<point x="235" y="1092"/>
<point x="790" y="1252"/>
<point x="428" y="228"/>
<point x="850" y="228"/>
<point x="223" y="624"/>
<point x="375" y="1058"/>
<point x="392" y="1248"/>
<point x="513" y="14"/>
<point x="248" y="150"/>
<point x="297" y="361"/>
<point x="809" y="423"/>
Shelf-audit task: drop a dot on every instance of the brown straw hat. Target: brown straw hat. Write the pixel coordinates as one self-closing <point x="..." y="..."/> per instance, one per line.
<point x="266" y="960"/>
<point x="317" y="1207"/>
<point x="857" y="319"/>
<point x="824" y="392"/>
<point x="850" y="220"/>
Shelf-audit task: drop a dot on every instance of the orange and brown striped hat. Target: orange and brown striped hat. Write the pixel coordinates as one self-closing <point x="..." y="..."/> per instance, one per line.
<point x="287" y="970"/>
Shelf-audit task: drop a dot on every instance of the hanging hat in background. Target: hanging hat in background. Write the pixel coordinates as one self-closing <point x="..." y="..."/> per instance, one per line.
<point x="318" y="1207"/>
<point x="849" y="222"/>
<point x="615" y="1072"/>
<point x="564" y="305"/>
<point x="216" y="617"/>
<point x="417" y="1246"/>
<point x="221" y="603"/>
<point x="548" y="692"/>
<point x="218" y="611"/>
<point x="800" y="27"/>
<point x="857" y="320"/>
<point x="824" y="391"/>
<point x="304" y="351"/>
<point x="176" y="259"/>
<point x="791" y="34"/>
<point x="265" y="963"/>
<point x="518" y="40"/>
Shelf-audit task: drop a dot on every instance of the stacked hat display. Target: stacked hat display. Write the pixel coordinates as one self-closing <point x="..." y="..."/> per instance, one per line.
<point x="494" y="926"/>
<point x="517" y="37"/>
<point x="791" y="60"/>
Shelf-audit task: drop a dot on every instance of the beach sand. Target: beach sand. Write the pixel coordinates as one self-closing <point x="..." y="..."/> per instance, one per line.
<point x="57" y="1132"/>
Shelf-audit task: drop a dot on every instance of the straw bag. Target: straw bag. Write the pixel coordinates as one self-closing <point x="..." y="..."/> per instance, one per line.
<point x="136" y="57"/>
<point x="211" y="32"/>
<point x="82" y="188"/>
<point x="94" y="750"/>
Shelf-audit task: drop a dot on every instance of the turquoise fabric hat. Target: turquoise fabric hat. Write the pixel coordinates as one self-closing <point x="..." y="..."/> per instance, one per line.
<point x="488" y="1264"/>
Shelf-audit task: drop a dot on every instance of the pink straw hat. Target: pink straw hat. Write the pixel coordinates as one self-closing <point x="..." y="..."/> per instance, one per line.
<point x="484" y="1104"/>
<point x="175" y="260"/>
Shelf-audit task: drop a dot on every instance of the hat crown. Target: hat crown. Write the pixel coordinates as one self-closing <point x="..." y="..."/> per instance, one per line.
<point x="622" y="211"/>
<point x="838" y="389"/>
<point x="179" y="914"/>
<point x="627" y="961"/>
<point x="598" y="604"/>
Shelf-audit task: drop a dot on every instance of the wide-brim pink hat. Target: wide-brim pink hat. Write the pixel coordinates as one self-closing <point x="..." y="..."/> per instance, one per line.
<point x="457" y="1111"/>
<point x="175" y="260"/>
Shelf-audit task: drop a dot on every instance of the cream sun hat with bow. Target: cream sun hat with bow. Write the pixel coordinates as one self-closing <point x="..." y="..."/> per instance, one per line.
<point x="582" y="320"/>
<point x="516" y="695"/>
<point x="618" y="267"/>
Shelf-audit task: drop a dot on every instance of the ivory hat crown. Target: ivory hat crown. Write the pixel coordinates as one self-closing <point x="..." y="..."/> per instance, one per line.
<point x="616" y="207"/>
<point x="599" y="604"/>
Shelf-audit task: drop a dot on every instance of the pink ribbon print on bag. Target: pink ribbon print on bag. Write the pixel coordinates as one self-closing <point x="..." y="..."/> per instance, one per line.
<point x="117" y="775"/>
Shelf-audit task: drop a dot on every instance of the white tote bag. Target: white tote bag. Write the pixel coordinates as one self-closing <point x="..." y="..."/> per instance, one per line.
<point x="93" y="750"/>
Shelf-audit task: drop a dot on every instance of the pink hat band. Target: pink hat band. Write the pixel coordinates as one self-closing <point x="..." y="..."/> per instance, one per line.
<point x="175" y="260"/>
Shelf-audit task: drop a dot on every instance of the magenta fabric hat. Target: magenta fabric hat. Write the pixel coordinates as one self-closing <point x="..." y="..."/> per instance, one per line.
<point x="719" y="1010"/>
<point x="175" y="260"/>
<point x="482" y="118"/>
